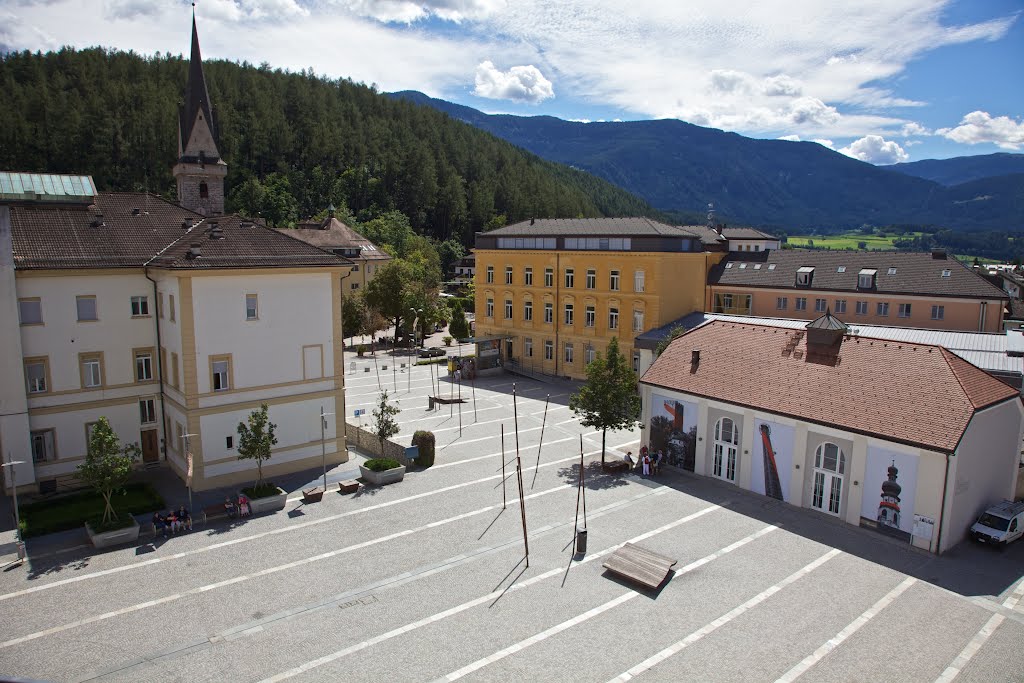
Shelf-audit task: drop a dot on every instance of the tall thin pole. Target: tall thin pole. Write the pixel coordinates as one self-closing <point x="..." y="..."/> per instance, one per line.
<point x="515" y="417"/>
<point x="394" y="357"/>
<point x="472" y="383"/>
<point x="583" y="484"/>
<point x="540" y="445"/>
<point x="503" y="466"/>
<point x="451" y="393"/>
<point x="522" y="508"/>
<point x="323" y="446"/>
<point x="376" y="368"/>
<point x="460" y="403"/>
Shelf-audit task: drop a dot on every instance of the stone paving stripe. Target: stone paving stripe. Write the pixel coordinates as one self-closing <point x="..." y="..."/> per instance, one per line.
<point x="557" y="571"/>
<point x="467" y="425"/>
<point x="600" y="609"/>
<point x="816" y="656"/>
<point x="675" y="648"/>
<point x="971" y="649"/>
<point x="1014" y="598"/>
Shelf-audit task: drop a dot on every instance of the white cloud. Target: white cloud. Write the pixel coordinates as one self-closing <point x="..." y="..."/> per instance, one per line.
<point x="824" y="142"/>
<point x="875" y="149"/>
<point x="913" y="128"/>
<point x="782" y="85"/>
<point x="980" y="126"/>
<point x="409" y="11"/>
<point x="790" y="138"/>
<point x="520" y="83"/>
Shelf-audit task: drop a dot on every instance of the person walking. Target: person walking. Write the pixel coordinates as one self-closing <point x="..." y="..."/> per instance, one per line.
<point x="647" y="465"/>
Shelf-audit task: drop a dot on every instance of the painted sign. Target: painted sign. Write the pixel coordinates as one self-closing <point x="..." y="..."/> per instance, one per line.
<point x="674" y="430"/>
<point x="890" y="482"/>
<point x="771" y="462"/>
<point x="923" y="527"/>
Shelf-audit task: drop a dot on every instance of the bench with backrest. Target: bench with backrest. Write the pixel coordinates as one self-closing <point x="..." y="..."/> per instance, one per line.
<point x="215" y="511"/>
<point x="613" y="466"/>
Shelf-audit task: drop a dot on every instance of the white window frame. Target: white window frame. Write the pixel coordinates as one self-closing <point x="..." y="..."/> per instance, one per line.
<point x="528" y="311"/>
<point x="938" y="312"/>
<point x="92" y="372"/>
<point x="549" y="350"/>
<point x="862" y="308"/>
<point x="528" y="347"/>
<point x="549" y="313"/>
<point x="508" y="275"/>
<point x="490" y="275"/>
<point x="904" y="310"/>
<point x="840" y="305"/>
<point x="508" y="309"/>
<point x="569" y="352"/>
<point x="528" y="277"/>
<point x="614" y="280"/>
<point x="638" y="321"/>
<point x="147" y="411"/>
<point x="40" y="384"/>
<point x="589" y="316"/>
<point x="45" y="438"/>
<point x="781" y="303"/>
<point x="87" y="299"/>
<point x="570" y="278"/>
<point x="489" y="308"/>
<point x="549" y="277"/>
<point x="140" y="306"/>
<point x="613" y="318"/>
<point x="820" y="305"/>
<point x="882" y="309"/>
<point x="31" y="305"/>
<point x="252" y="307"/>
<point x="591" y="278"/>
<point x="639" y="282"/>
<point x="569" y="314"/>
<point x="801" y="304"/>
<point x="221" y="376"/>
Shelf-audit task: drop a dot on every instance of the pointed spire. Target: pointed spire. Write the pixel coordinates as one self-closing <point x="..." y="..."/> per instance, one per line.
<point x="197" y="97"/>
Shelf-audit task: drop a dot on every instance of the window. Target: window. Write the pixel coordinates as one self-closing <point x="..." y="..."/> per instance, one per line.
<point x="782" y="303"/>
<point x="528" y="311"/>
<point x="174" y="369"/>
<point x="613" y="318"/>
<point x="508" y="275"/>
<point x="866" y="278"/>
<point x="229" y="442"/>
<point x="140" y="306"/>
<point x="549" y="350"/>
<point x="204" y="191"/>
<point x="588" y="354"/>
<point x="147" y="411"/>
<point x="589" y="316"/>
<point x="570" y="278"/>
<point x="892" y="270"/>
<point x="804" y="275"/>
<point x="91" y="370"/>
<point x="143" y="365"/>
<point x="636" y="362"/>
<point x="37" y="374"/>
<point x="841" y="269"/>
<point x="170" y="306"/>
<point x="599" y="243"/>
<point x="829" y="468"/>
<point x="568" y="314"/>
<point x="30" y="311"/>
<point x="490" y="274"/>
<point x="220" y="372"/>
<point x="568" y="352"/>
<point x="840" y="305"/>
<point x="591" y="279"/>
<point x="508" y="309"/>
<point x="549" y="277"/>
<point x="727" y="440"/>
<point x="528" y="277"/>
<point x="947" y="273"/>
<point x="882" y="309"/>
<point x="42" y="445"/>
<point x="862" y="308"/>
<point x="801" y="303"/>
<point x="252" y="308"/>
<point x="938" y="312"/>
<point x="613" y="281"/>
<point x="820" y="305"/>
<point x="528" y="347"/>
<point x="549" y="313"/>
<point x="490" y="308"/>
<point x="354" y="285"/>
<point x="771" y="266"/>
<point x="904" y="311"/>
<point x="638" y="321"/>
<point x="86" y="306"/>
<point x="638" y="281"/>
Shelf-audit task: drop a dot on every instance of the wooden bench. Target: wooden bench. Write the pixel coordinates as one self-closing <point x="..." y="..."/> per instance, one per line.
<point x="348" y="486"/>
<point x="640" y="565"/>
<point x="613" y="466"/>
<point x="215" y="511"/>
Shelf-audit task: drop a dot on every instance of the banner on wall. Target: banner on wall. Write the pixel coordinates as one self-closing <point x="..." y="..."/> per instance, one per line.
<point x="890" y="481"/>
<point x="674" y="430"/>
<point x="772" y="459"/>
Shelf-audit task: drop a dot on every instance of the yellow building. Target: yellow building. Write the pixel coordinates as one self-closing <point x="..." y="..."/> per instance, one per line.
<point x="557" y="290"/>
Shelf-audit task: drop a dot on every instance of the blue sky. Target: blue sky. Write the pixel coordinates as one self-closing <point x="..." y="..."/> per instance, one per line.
<point x="879" y="80"/>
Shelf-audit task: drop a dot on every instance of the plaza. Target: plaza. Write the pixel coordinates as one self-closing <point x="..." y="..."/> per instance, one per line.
<point x="426" y="579"/>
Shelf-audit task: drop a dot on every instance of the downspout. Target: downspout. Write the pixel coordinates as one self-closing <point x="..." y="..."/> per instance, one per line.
<point x="942" y="512"/>
<point x="159" y="361"/>
<point x="341" y="314"/>
<point x="981" y="316"/>
<point x="558" y="274"/>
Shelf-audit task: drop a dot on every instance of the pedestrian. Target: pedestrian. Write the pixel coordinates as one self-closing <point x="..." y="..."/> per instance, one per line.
<point x="629" y="460"/>
<point x="647" y="465"/>
<point x="229" y="507"/>
<point x="657" y="461"/>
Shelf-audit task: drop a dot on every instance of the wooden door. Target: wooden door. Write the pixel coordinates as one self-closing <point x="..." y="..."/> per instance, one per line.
<point x="150" y="447"/>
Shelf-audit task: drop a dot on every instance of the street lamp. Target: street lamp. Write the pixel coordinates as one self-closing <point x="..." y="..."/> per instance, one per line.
<point x="415" y="314"/>
<point x="17" y="520"/>
<point x="188" y="468"/>
<point x="323" y="446"/>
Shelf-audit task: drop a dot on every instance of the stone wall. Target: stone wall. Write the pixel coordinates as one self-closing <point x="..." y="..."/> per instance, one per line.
<point x="366" y="440"/>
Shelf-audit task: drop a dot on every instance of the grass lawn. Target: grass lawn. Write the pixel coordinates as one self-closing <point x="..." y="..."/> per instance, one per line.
<point x="849" y="240"/>
<point x="73" y="511"/>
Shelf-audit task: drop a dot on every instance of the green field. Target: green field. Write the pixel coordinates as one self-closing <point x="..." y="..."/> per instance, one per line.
<point x="848" y="240"/>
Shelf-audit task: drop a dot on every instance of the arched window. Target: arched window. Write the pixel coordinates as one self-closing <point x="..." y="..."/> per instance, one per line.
<point x="204" y="191"/>
<point x="727" y="442"/>
<point x="829" y="468"/>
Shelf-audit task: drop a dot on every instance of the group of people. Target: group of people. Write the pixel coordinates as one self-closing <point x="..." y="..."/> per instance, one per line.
<point x="172" y="521"/>
<point x="646" y="464"/>
<point x="239" y="509"/>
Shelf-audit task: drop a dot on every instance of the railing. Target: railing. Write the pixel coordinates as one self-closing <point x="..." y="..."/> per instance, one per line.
<point x="532" y="371"/>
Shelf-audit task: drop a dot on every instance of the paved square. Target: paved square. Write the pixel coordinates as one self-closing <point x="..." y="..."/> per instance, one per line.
<point x="425" y="579"/>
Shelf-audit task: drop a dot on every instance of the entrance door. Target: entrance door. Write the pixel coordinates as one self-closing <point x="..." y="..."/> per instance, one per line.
<point x="508" y="349"/>
<point x="829" y="468"/>
<point x="150" y="447"/>
<point x="727" y="440"/>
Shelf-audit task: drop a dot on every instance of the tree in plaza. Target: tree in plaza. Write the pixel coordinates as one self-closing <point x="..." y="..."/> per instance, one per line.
<point x="609" y="398"/>
<point x="459" y="327"/>
<point x="107" y="464"/>
<point x="385" y="425"/>
<point x="387" y="291"/>
<point x="256" y="439"/>
<point x="353" y="315"/>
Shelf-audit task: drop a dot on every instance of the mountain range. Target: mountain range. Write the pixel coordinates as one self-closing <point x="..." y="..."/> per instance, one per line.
<point x="680" y="168"/>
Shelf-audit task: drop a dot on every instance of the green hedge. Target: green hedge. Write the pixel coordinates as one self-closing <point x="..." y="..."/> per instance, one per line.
<point x="263" y="491"/>
<point x="468" y="304"/>
<point x="73" y="511"/>
<point x="425" y="441"/>
<point x="381" y="464"/>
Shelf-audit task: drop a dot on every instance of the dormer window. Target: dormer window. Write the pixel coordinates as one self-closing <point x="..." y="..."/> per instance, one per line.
<point x="804" y="276"/>
<point x="742" y="266"/>
<point x="771" y="266"/>
<point x="866" y="278"/>
<point x="728" y="265"/>
<point x="892" y="270"/>
<point x="841" y="269"/>
<point x="947" y="273"/>
<point x="757" y="266"/>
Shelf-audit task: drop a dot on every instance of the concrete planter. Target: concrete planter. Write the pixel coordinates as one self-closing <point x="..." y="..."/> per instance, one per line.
<point x="106" y="539"/>
<point x="383" y="478"/>
<point x="268" y="503"/>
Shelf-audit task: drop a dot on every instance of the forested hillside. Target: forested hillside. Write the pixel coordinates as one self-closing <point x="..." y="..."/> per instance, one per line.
<point x="294" y="142"/>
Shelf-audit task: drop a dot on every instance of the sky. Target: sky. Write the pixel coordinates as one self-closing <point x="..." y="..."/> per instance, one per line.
<point x="884" y="81"/>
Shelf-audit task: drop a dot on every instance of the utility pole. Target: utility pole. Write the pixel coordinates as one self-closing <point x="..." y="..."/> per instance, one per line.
<point x="17" y="519"/>
<point x="323" y="446"/>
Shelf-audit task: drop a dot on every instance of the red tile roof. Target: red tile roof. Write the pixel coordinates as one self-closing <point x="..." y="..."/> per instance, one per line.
<point x="333" y="234"/>
<point x="914" y="394"/>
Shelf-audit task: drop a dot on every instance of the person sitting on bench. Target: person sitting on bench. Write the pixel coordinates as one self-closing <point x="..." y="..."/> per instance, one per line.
<point x="243" y="507"/>
<point x="629" y="459"/>
<point x="230" y="508"/>
<point x="159" y="524"/>
<point x="184" y="518"/>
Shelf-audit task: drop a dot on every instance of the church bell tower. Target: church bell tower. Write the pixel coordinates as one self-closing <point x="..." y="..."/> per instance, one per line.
<point x="200" y="171"/>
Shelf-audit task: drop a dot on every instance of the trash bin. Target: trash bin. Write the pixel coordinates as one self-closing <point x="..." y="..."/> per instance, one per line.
<point x="581" y="542"/>
<point x="430" y="402"/>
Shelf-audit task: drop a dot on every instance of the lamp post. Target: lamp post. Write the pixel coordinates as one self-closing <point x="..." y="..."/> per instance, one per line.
<point x="414" y="314"/>
<point x="17" y="519"/>
<point x="323" y="446"/>
<point x="188" y="468"/>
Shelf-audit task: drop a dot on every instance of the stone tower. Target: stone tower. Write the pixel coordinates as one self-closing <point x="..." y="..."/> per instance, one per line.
<point x="200" y="171"/>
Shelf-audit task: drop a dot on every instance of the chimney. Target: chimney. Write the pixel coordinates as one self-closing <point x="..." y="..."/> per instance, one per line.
<point x="695" y="357"/>
<point x="939" y="254"/>
<point x="216" y="232"/>
<point x="185" y="225"/>
<point x="195" y="250"/>
<point x="531" y="220"/>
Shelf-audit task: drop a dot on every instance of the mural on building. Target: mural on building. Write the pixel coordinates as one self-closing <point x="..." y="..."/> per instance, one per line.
<point x="674" y="430"/>
<point x="890" y="479"/>
<point x="770" y="473"/>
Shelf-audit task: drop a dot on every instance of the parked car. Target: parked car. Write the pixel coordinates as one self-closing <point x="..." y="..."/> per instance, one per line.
<point x="1000" y="524"/>
<point x="435" y="352"/>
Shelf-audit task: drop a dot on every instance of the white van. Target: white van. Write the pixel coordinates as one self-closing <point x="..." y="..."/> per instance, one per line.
<point x="1000" y="524"/>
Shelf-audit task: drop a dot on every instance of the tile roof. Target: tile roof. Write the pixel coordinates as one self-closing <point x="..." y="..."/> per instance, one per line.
<point x="614" y="227"/>
<point x="333" y="234"/>
<point x="916" y="272"/>
<point x="746" y="234"/>
<point x="137" y="228"/>
<point x="916" y="394"/>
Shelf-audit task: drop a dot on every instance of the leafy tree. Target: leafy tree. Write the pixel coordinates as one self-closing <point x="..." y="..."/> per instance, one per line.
<point x="387" y="292"/>
<point x="107" y="465"/>
<point x="256" y="439"/>
<point x="450" y="251"/>
<point x="673" y="334"/>
<point x="459" y="326"/>
<point x="385" y="425"/>
<point x="353" y="315"/>
<point x="609" y="398"/>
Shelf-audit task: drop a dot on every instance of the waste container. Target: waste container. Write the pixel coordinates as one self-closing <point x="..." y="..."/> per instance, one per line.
<point x="430" y="402"/>
<point x="581" y="542"/>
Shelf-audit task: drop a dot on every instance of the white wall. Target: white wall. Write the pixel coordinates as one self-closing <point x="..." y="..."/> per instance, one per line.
<point x="14" y="429"/>
<point x="70" y="443"/>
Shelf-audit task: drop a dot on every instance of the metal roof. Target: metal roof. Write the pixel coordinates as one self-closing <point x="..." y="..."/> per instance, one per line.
<point x="46" y="187"/>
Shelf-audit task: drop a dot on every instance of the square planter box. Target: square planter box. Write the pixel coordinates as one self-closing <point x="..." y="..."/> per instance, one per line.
<point x="382" y="478"/>
<point x="106" y="539"/>
<point x="313" y="495"/>
<point x="268" y="503"/>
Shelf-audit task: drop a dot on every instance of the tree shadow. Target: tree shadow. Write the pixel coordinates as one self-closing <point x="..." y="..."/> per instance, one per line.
<point x="594" y="478"/>
<point x="367" y="490"/>
<point x="50" y="566"/>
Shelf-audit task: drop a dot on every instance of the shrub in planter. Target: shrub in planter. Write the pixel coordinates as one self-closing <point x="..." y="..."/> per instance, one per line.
<point x="447" y="339"/>
<point x="361" y="349"/>
<point x="381" y="464"/>
<point x="425" y="441"/>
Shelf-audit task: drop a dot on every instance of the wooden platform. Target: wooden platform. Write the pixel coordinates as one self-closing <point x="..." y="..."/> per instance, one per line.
<point x="640" y="565"/>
